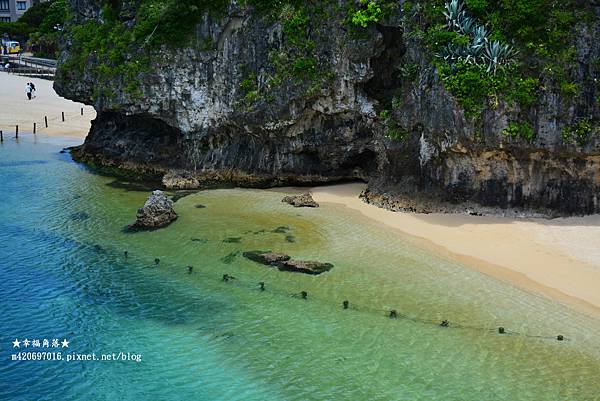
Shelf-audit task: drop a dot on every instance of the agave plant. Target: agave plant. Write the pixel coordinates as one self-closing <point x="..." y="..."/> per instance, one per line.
<point x="496" y="54"/>
<point x="480" y="35"/>
<point x="455" y="53"/>
<point x="453" y="13"/>
<point x="466" y="25"/>
<point x="479" y="50"/>
<point x="479" y="41"/>
<point x="452" y="53"/>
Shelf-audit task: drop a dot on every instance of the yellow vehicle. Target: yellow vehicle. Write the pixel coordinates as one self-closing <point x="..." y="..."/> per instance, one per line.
<point x="12" y="47"/>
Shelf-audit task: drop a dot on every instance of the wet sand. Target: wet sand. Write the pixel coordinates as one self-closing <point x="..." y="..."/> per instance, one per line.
<point x="16" y="109"/>
<point x="558" y="258"/>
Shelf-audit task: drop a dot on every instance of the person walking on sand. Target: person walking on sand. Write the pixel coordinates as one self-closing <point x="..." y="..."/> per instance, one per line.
<point x="28" y="90"/>
<point x="32" y="89"/>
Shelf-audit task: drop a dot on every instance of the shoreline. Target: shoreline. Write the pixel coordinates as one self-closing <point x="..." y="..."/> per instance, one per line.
<point x="553" y="258"/>
<point x="17" y="110"/>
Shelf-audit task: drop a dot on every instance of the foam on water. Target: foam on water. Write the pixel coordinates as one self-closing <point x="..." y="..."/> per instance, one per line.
<point x="63" y="274"/>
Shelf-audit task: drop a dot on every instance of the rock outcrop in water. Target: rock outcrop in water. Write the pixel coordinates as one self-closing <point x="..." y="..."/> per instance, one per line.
<point x="244" y="104"/>
<point x="285" y="263"/>
<point x="157" y="212"/>
<point x="303" y="200"/>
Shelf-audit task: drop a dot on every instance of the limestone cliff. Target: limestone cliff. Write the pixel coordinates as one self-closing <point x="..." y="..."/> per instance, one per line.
<point x="241" y="103"/>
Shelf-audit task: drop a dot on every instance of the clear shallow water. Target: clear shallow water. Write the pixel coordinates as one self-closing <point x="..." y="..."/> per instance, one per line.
<point x="63" y="275"/>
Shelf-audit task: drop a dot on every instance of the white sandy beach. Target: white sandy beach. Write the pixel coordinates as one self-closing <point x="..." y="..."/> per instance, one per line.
<point x="558" y="258"/>
<point x="16" y="109"/>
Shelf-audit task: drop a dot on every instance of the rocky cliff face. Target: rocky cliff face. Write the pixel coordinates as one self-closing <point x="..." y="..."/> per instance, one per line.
<point x="223" y="109"/>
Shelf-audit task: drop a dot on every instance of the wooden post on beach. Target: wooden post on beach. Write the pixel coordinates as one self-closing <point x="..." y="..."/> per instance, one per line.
<point x="34" y="127"/>
<point x="63" y="116"/>
<point x="82" y="111"/>
<point x="1" y="136"/>
<point x="17" y="131"/>
<point x="46" y="121"/>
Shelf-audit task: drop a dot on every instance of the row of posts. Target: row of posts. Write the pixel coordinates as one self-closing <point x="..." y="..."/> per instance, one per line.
<point x="35" y="126"/>
<point x="393" y="314"/>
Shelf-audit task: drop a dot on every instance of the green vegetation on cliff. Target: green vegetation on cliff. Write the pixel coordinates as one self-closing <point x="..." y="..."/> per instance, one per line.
<point x="488" y="54"/>
<point x="541" y="32"/>
<point x="578" y="133"/>
<point x="117" y="47"/>
<point x="521" y="130"/>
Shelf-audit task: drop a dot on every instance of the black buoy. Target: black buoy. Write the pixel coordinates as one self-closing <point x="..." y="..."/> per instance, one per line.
<point x="304" y="294"/>
<point x="126" y="254"/>
<point x="500" y="330"/>
<point x="190" y="269"/>
<point x="156" y="260"/>
<point x="393" y="314"/>
<point x="560" y="337"/>
<point x="445" y="323"/>
<point x="262" y="285"/>
<point x="345" y="304"/>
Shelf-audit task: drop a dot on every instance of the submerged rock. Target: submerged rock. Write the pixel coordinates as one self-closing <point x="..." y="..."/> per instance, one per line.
<point x="180" y="180"/>
<point x="157" y="212"/>
<point x="266" y="257"/>
<point x="303" y="266"/>
<point x="79" y="216"/>
<point x="285" y="263"/>
<point x="304" y="200"/>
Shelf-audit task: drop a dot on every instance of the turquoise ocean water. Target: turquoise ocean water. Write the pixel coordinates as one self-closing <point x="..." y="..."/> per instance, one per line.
<point x="63" y="275"/>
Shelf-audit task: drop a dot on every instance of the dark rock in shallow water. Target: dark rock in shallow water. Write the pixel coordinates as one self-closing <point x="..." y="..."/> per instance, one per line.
<point x="285" y="263"/>
<point x="233" y="240"/>
<point x="79" y="216"/>
<point x="308" y="267"/>
<point x="199" y="206"/>
<point x="98" y="248"/>
<point x="266" y="257"/>
<point x="304" y="200"/>
<point x="67" y="149"/>
<point x="180" y="180"/>
<point x="157" y="212"/>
